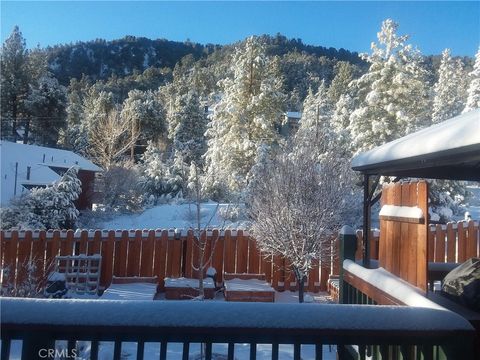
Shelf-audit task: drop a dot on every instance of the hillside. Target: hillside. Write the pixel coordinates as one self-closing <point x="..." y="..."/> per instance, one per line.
<point x="99" y="59"/>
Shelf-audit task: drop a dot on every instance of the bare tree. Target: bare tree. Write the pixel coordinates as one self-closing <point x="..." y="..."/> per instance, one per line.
<point x="295" y="201"/>
<point x="200" y="240"/>
<point x="111" y="137"/>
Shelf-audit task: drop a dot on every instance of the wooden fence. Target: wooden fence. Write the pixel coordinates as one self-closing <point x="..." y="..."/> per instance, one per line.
<point x="454" y="242"/>
<point x="161" y="253"/>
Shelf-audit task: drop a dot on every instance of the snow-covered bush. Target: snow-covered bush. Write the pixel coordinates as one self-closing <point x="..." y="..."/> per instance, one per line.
<point x="232" y="213"/>
<point x="51" y="207"/>
<point x="123" y="188"/>
<point x="29" y="287"/>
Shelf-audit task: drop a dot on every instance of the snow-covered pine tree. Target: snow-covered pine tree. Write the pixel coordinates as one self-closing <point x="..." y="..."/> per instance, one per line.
<point x="448" y="102"/>
<point x="344" y="73"/>
<point x="187" y="126"/>
<point x="160" y="178"/>
<point x="13" y="83"/>
<point x="340" y="122"/>
<point x="248" y="114"/>
<point x="75" y="135"/>
<point x="315" y="122"/>
<point x="46" y="104"/>
<point x="473" y="92"/>
<point x="450" y="89"/>
<point x="51" y="207"/>
<point x="392" y="95"/>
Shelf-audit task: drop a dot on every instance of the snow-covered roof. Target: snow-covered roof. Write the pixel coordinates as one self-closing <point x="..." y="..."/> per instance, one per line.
<point x="449" y="150"/>
<point x="293" y="114"/>
<point x="38" y="159"/>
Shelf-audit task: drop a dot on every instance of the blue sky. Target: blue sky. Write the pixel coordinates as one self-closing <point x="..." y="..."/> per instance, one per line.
<point x="432" y="25"/>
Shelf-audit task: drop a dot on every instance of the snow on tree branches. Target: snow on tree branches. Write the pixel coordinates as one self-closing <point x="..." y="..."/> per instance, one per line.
<point x="51" y="207"/>
<point x="248" y="114"/>
<point x="473" y="99"/>
<point x="392" y="95"/>
<point x="296" y="202"/>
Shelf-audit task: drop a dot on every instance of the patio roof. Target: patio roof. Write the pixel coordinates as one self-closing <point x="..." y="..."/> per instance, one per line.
<point x="449" y="150"/>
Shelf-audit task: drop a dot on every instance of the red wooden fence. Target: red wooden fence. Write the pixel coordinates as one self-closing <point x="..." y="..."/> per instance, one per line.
<point x="453" y="242"/>
<point x="161" y="253"/>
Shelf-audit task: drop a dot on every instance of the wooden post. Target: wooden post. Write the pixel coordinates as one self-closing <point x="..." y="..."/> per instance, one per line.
<point x="366" y="221"/>
<point x="348" y="246"/>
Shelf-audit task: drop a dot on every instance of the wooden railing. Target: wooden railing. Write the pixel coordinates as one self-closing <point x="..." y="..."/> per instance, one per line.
<point x="362" y="286"/>
<point x="161" y="253"/>
<point x="38" y="323"/>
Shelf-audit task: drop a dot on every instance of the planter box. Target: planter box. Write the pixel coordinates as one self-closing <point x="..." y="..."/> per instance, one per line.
<point x="187" y="289"/>
<point x="248" y="290"/>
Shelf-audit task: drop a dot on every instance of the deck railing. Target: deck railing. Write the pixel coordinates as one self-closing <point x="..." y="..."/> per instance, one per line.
<point x="39" y="322"/>
<point x="378" y="287"/>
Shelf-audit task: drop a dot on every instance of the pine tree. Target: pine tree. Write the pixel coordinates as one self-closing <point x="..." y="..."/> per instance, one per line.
<point x="315" y="123"/>
<point x="248" y="115"/>
<point x="146" y="114"/>
<point x="473" y="99"/>
<point x="341" y="120"/>
<point x="449" y="90"/>
<point x="392" y="95"/>
<point x="51" y="207"/>
<point x="75" y="135"/>
<point x="14" y="83"/>
<point x="344" y="73"/>
<point x="161" y="178"/>
<point x="46" y="104"/>
<point x="187" y="126"/>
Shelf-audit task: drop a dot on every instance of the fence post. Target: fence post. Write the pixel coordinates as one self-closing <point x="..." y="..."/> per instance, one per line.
<point x="348" y="246"/>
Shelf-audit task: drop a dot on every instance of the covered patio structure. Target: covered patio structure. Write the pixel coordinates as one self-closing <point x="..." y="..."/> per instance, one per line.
<point x="448" y="150"/>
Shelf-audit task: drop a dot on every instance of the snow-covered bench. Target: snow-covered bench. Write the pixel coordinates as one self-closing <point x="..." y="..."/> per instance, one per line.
<point x="131" y="288"/>
<point x="248" y="288"/>
<point x="186" y="288"/>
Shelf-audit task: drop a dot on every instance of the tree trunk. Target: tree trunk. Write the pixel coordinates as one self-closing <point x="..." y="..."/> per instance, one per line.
<point x="14" y="119"/>
<point x="301" y="286"/>
<point x="201" y="289"/>
<point x="301" y="289"/>
<point x="27" y="131"/>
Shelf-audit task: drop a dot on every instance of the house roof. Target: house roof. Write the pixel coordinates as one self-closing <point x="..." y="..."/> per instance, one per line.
<point x="449" y="150"/>
<point x="38" y="159"/>
<point x="294" y="114"/>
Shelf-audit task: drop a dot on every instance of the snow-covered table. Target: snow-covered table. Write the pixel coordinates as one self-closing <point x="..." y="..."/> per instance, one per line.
<point x="187" y="289"/>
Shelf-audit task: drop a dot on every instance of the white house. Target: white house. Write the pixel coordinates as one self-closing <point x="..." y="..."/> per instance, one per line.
<point x="23" y="167"/>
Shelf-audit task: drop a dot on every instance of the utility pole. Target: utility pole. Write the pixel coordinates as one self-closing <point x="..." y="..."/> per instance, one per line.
<point x="16" y="173"/>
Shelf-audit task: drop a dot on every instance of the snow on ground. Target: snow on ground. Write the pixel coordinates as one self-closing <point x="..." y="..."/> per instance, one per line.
<point x="175" y="350"/>
<point x="182" y="216"/>
<point x="168" y="216"/>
